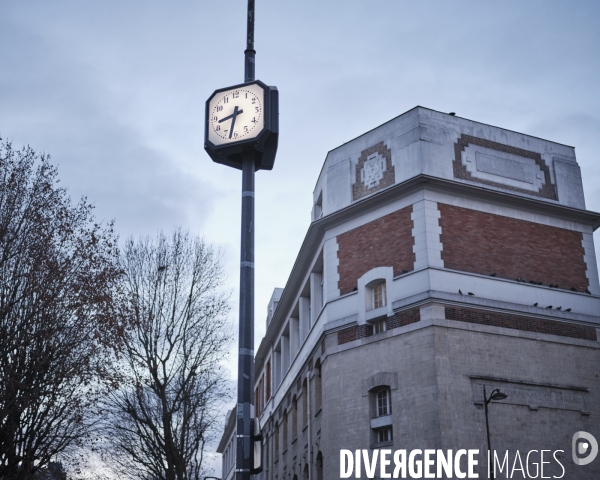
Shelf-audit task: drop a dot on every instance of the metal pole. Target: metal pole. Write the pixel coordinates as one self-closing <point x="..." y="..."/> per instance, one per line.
<point x="249" y="53"/>
<point x="246" y="318"/>
<point x="487" y="428"/>
<point x="246" y="325"/>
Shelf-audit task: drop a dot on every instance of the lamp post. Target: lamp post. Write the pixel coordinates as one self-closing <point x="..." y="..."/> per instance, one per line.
<point x="495" y="395"/>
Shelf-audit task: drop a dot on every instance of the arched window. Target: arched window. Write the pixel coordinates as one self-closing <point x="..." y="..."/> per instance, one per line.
<point x="318" y="386"/>
<point x="375" y="294"/>
<point x="304" y="404"/>
<point x="285" y="430"/>
<point x="381" y="415"/>
<point x="294" y="418"/>
<point x="319" y="466"/>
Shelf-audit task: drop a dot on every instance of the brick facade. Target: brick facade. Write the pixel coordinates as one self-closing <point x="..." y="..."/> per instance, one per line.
<point x="518" y="322"/>
<point x="485" y="243"/>
<point x="399" y="319"/>
<point x="406" y="317"/>
<point x="385" y="242"/>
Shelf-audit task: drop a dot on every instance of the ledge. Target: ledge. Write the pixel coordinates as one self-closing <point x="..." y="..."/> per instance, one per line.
<point x="379" y="422"/>
<point x="473" y="301"/>
<point x="523" y="382"/>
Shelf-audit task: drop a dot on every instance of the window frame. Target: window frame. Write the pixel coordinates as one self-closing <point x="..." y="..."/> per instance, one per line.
<point x="379" y="295"/>
<point x="389" y="437"/>
<point x="379" y="326"/>
<point x="387" y="402"/>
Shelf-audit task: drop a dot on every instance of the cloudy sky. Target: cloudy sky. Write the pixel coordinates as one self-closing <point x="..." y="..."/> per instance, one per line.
<point x="115" y="92"/>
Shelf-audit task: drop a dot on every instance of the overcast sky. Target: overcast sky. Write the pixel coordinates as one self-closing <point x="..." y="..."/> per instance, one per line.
<point x="115" y="92"/>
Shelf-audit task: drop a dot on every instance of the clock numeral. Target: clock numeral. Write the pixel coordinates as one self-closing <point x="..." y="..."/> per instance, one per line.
<point x="246" y="95"/>
<point x="226" y="100"/>
<point x="245" y="128"/>
<point x="235" y="94"/>
<point x="235" y="134"/>
<point x="257" y="109"/>
<point x="253" y="100"/>
<point x="215" y="119"/>
<point x="218" y="129"/>
<point x="219" y="108"/>
<point x="254" y="120"/>
<point x="226" y="131"/>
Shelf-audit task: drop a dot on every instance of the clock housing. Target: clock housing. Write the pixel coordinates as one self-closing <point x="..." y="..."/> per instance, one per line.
<point x="240" y="120"/>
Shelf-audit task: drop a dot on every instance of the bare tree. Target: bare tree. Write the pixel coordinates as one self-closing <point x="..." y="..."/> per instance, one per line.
<point x="57" y="271"/>
<point x="162" y="418"/>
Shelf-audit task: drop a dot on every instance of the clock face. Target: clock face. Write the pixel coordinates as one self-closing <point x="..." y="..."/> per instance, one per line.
<point x="236" y="114"/>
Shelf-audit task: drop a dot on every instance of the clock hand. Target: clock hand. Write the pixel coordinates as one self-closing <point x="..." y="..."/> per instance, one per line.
<point x="235" y="114"/>
<point x="231" y="116"/>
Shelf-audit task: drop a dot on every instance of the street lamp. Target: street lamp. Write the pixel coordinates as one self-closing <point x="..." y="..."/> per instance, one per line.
<point x="495" y="395"/>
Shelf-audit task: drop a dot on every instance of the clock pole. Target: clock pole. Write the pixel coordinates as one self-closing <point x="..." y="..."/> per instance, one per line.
<point x="249" y="53"/>
<point x="245" y="393"/>
<point x="248" y="141"/>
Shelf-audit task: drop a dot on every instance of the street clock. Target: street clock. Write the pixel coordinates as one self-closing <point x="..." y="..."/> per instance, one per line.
<point x="240" y="120"/>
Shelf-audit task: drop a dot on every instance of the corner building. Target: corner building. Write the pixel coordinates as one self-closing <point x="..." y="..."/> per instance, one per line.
<point x="443" y="255"/>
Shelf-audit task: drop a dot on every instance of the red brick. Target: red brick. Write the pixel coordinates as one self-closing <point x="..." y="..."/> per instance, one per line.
<point x="385" y="242"/>
<point x="405" y="317"/>
<point x="518" y="322"/>
<point x="399" y="319"/>
<point x="485" y="243"/>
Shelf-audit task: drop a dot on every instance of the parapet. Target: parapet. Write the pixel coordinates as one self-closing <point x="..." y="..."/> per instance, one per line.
<point x="424" y="142"/>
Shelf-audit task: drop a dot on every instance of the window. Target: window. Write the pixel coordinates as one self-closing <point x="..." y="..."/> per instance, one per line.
<point x="304" y="404"/>
<point x="268" y="381"/>
<point x="322" y="290"/>
<point x="379" y="326"/>
<point x="318" y="207"/>
<point x="380" y="408"/>
<point x="379" y="296"/>
<point x="318" y="387"/>
<point x="319" y="466"/>
<point x="294" y="419"/>
<point x="285" y="431"/>
<point x="257" y="401"/>
<point x="384" y="435"/>
<point x="384" y="404"/>
<point x="261" y="395"/>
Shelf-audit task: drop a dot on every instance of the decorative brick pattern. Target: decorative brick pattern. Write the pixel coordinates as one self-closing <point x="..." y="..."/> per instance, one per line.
<point x="347" y="335"/>
<point x="364" y="331"/>
<point x="485" y="243"/>
<point x="403" y="318"/>
<point x="384" y="242"/>
<point x="399" y="319"/>
<point x="517" y="322"/>
<point x="548" y="190"/>
<point x="359" y="189"/>
<point x="352" y="333"/>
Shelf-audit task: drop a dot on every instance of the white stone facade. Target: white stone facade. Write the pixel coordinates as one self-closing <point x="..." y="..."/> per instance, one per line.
<point x="443" y="332"/>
